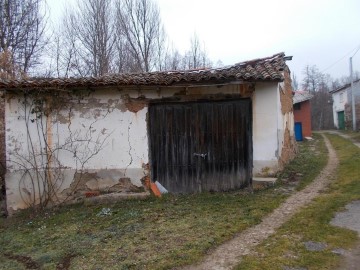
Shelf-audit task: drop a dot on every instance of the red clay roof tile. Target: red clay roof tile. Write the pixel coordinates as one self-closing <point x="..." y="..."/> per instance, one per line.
<point x="262" y="69"/>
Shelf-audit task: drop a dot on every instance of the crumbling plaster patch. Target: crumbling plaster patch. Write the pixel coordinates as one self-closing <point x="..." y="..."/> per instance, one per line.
<point x="107" y="115"/>
<point x="288" y="147"/>
<point x="286" y="94"/>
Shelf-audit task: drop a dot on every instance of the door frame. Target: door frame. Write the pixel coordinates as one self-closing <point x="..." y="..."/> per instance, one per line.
<point x="170" y="101"/>
<point x="343" y="118"/>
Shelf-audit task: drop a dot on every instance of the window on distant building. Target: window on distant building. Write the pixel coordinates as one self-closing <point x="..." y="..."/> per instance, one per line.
<point x="341" y="97"/>
<point x="297" y="106"/>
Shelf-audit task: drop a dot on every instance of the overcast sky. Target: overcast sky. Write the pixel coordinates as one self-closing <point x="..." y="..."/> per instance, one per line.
<point x="315" y="32"/>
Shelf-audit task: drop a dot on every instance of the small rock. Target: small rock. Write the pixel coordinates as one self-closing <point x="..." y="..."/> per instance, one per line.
<point x="315" y="246"/>
<point x="350" y="218"/>
<point x="339" y="251"/>
<point x="294" y="268"/>
<point x="104" y="212"/>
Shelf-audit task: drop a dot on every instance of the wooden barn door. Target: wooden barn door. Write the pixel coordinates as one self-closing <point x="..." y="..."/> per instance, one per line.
<point x="201" y="146"/>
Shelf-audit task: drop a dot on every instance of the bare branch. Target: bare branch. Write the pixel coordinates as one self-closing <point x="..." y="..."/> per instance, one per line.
<point x="22" y="31"/>
<point x="139" y="24"/>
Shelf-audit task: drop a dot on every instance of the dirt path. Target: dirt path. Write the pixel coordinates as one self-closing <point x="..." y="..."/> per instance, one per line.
<point x="349" y="219"/>
<point x="351" y="258"/>
<point x="345" y="136"/>
<point x="229" y="254"/>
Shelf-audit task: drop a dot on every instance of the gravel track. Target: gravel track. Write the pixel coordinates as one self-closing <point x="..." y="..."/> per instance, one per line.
<point x="229" y="254"/>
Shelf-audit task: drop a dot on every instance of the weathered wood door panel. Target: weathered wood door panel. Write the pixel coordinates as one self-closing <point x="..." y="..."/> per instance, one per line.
<point x="201" y="146"/>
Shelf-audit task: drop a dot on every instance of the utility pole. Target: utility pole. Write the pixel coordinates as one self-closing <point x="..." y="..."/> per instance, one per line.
<point x="352" y="96"/>
<point x="353" y="91"/>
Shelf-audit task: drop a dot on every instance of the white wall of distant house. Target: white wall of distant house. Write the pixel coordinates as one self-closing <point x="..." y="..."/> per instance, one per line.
<point x="340" y="98"/>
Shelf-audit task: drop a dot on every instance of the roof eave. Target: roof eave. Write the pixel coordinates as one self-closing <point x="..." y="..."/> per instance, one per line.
<point x="69" y="88"/>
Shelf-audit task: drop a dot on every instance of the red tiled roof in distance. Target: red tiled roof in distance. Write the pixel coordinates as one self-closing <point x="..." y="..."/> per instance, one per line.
<point x="262" y="69"/>
<point x="301" y="96"/>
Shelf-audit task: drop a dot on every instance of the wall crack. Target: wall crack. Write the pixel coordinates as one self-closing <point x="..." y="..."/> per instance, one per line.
<point x="130" y="149"/>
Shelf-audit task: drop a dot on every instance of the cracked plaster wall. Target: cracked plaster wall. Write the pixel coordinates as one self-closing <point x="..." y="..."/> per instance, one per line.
<point x="124" y="153"/>
<point x="273" y="127"/>
<point x="121" y="116"/>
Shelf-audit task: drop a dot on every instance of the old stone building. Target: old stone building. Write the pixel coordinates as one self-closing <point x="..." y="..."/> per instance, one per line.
<point x="191" y="131"/>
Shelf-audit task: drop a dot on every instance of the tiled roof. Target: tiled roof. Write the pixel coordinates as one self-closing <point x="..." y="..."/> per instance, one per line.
<point x="262" y="69"/>
<point x="301" y="96"/>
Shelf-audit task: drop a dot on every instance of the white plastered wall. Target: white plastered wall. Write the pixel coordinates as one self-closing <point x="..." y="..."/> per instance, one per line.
<point x="340" y="98"/>
<point x="102" y="117"/>
<point x="125" y="152"/>
<point x="104" y="114"/>
<point x="265" y="128"/>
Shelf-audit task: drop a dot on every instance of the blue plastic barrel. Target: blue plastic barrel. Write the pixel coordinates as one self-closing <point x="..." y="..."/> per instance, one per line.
<point x="298" y="131"/>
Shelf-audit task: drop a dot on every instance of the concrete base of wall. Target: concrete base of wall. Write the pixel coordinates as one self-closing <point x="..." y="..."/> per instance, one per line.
<point x="71" y="185"/>
<point x="265" y="168"/>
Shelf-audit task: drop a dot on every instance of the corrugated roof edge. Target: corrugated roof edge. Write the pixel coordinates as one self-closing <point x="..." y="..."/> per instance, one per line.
<point x="261" y="69"/>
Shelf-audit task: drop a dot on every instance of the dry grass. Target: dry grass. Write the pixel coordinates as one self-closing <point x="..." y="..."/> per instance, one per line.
<point x="286" y="247"/>
<point x="149" y="234"/>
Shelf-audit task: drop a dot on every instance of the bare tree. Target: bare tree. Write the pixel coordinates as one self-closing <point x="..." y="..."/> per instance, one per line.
<point x="196" y="57"/>
<point x="173" y="60"/>
<point x="161" y="49"/>
<point x="124" y="61"/>
<point x="312" y="79"/>
<point x="342" y="81"/>
<point x="86" y="46"/>
<point x="219" y="64"/>
<point x="139" y="23"/>
<point x="294" y="82"/>
<point x="321" y="108"/>
<point x="7" y="68"/>
<point x="65" y="55"/>
<point x="22" y="31"/>
<point x="103" y="36"/>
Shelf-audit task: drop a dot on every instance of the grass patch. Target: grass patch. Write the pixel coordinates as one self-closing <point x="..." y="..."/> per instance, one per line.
<point x="153" y="234"/>
<point x="310" y="160"/>
<point x="354" y="135"/>
<point x="286" y="246"/>
<point x="149" y="234"/>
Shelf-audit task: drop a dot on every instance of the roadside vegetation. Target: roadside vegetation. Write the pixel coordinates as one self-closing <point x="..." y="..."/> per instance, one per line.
<point x="311" y="158"/>
<point x="147" y="234"/>
<point x="354" y="135"/>
<point x="286" y="249"/>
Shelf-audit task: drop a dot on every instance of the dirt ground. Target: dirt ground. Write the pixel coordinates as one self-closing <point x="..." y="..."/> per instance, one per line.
<point x="349" y="219"/>
<point x="229" y="254"/>
<point x="351" y="259"/>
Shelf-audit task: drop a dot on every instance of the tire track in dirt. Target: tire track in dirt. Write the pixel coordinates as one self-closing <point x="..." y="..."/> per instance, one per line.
<point x="229" y="254"/>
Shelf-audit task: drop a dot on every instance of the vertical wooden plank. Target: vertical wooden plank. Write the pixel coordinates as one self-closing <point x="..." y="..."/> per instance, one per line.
<point x="222" y="130"/>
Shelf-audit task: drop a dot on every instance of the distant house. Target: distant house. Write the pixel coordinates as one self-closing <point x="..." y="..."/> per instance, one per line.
<point x="302" y="114"/>
<point x="342" y="110"/>
<point x="191" y="131"/>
